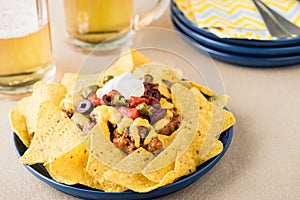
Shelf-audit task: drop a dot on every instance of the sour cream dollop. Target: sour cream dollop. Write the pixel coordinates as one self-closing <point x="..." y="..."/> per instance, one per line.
<point x="127" y="84"/>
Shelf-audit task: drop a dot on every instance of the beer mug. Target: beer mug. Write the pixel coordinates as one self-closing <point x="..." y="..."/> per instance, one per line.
<point x="90" y="22"/>
<point x="25" y="45"/>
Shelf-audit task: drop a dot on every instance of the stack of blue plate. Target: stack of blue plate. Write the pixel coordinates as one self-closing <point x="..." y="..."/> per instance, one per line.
<point x="243" y="52"/>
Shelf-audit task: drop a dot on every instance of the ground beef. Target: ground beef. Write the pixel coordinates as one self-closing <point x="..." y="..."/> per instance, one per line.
<point x="123" y="141"/>
<point x="126" y="142"/>
<point x="171" y="126"/>
<point x="155" y="146"/>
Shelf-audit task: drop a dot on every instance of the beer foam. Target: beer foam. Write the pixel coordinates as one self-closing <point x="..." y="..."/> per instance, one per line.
<point x="19" y="18"/>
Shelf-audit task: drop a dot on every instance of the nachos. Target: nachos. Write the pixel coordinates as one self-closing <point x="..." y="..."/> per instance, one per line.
<point x="138" y="125"/>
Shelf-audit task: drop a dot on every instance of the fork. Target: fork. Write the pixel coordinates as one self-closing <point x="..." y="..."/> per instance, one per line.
<point x="277" y="25"/>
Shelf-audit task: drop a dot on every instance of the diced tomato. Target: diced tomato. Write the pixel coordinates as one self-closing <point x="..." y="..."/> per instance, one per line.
<point x="112" y="93"/>
<point x="94" y="99"/>
<point x="134" y="101"/>
<point x="132" y="113"/>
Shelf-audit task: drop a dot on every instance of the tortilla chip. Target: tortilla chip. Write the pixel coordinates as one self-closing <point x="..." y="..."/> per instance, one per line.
<point x="219" y="100"/>
<point x="124" y="64"/>
<point x="214" y="120"/>
<point x="140" y="157"/>
<point x="139" y="183"/>
<point x="186" y="105"/>
<point x="128" y="171"/>
<point x="203" y="89"/>
<point x="216" y="150"/>
<point x="52" y="131"/>
<point x="19" y="126"/>
<point x="134" y="181"/>
<point x="184" y="165"/>
<point x="229" y="120"/>
<point x="138" y="58"/>
<point x="102" y="149"/>
<point x="164" y="90"/>
<point x="22" y="105"/>
<point x="42" y="92"/>
<point x="96" y="170"/>
<point x="159" y="72"/>
<point x="75" y="84"/>
<point x="69" y="168"/>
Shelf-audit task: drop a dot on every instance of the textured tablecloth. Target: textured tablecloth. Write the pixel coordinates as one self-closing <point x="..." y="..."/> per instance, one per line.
<point x="263" y="161"/>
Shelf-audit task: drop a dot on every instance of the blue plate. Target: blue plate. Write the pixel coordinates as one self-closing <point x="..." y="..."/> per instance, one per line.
<point x="84" y="192"/>
<point x="244" y="42"/>
<point x="236" y="49"/>
<point x="247" y="61"/>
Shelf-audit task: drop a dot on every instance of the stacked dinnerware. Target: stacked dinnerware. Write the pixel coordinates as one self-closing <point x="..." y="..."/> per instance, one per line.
<point x="251" y="52"/>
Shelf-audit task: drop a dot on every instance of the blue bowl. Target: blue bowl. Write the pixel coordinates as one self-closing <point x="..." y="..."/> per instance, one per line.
<point x="237" y="49"/>
<point x="240" y="60"/>
<point x="243" y="42"/>
<point x="84" y="192"/>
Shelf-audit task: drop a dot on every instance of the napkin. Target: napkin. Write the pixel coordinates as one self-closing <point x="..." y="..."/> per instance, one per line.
<point x="236" y="18"/>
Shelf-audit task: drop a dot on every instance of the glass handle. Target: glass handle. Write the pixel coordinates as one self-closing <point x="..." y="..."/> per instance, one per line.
<point x="141" y="21"/>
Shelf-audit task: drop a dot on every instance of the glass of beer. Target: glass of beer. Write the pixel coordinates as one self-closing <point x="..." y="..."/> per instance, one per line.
<point x="90" y="22"/>
<point x="25" y="45"/>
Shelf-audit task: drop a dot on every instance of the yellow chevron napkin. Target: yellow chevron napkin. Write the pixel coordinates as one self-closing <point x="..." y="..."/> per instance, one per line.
<point x="236" y="18"/>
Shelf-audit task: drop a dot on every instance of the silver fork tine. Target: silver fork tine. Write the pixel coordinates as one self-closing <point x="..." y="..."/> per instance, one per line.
<point x="291" y="28"/>
<point x="277" y="25"/>
<point x="274" y="28"/>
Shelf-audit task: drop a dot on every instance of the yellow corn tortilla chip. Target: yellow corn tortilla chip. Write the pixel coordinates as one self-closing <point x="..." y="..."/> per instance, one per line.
<point x="186" y="105"/>
<point x="134" y="181"/>
<point x="219" y="100"/>
<point x="138" y="58"/>
<point x="216" y="150"/>
<point x="42" y="92"/>
<point x="203" y="89"/>
<point x="129" y="170"/>
<point x="53" y="129"/>
<point x="90" y="181"/>
<point x="19" y="126"/>
<point x="75" y="84"/>
<point x="214" y="120"/>
<point x="128" y="60"/>
<point x="29" y="106"/>
<point x="159" y="72"/>
<point x="137" y="182"/>
<point x="135" y="162"/>
<point x="229" y="120"/>
<point x="69" y="168"/>
<point x="102" y="149"/>
<point x="124" y="64"/>
<point x="167" y="139"/>
<point x="209" y="133"/>
<point x="22" y="105"/>
<point x="96" y="170"/>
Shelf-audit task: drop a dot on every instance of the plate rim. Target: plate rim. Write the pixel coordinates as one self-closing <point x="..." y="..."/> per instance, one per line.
<point x="237" y="49"/>
<point x="162" y="191"/>
<point x="241" y="60"/>
<point x="237" y="41"/>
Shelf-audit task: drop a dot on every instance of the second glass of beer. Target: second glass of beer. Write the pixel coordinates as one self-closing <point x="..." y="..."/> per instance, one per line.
<point x="90" y="22"/>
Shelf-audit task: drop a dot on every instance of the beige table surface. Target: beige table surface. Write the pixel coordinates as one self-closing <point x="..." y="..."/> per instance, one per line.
<point x="263" y="161"/>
